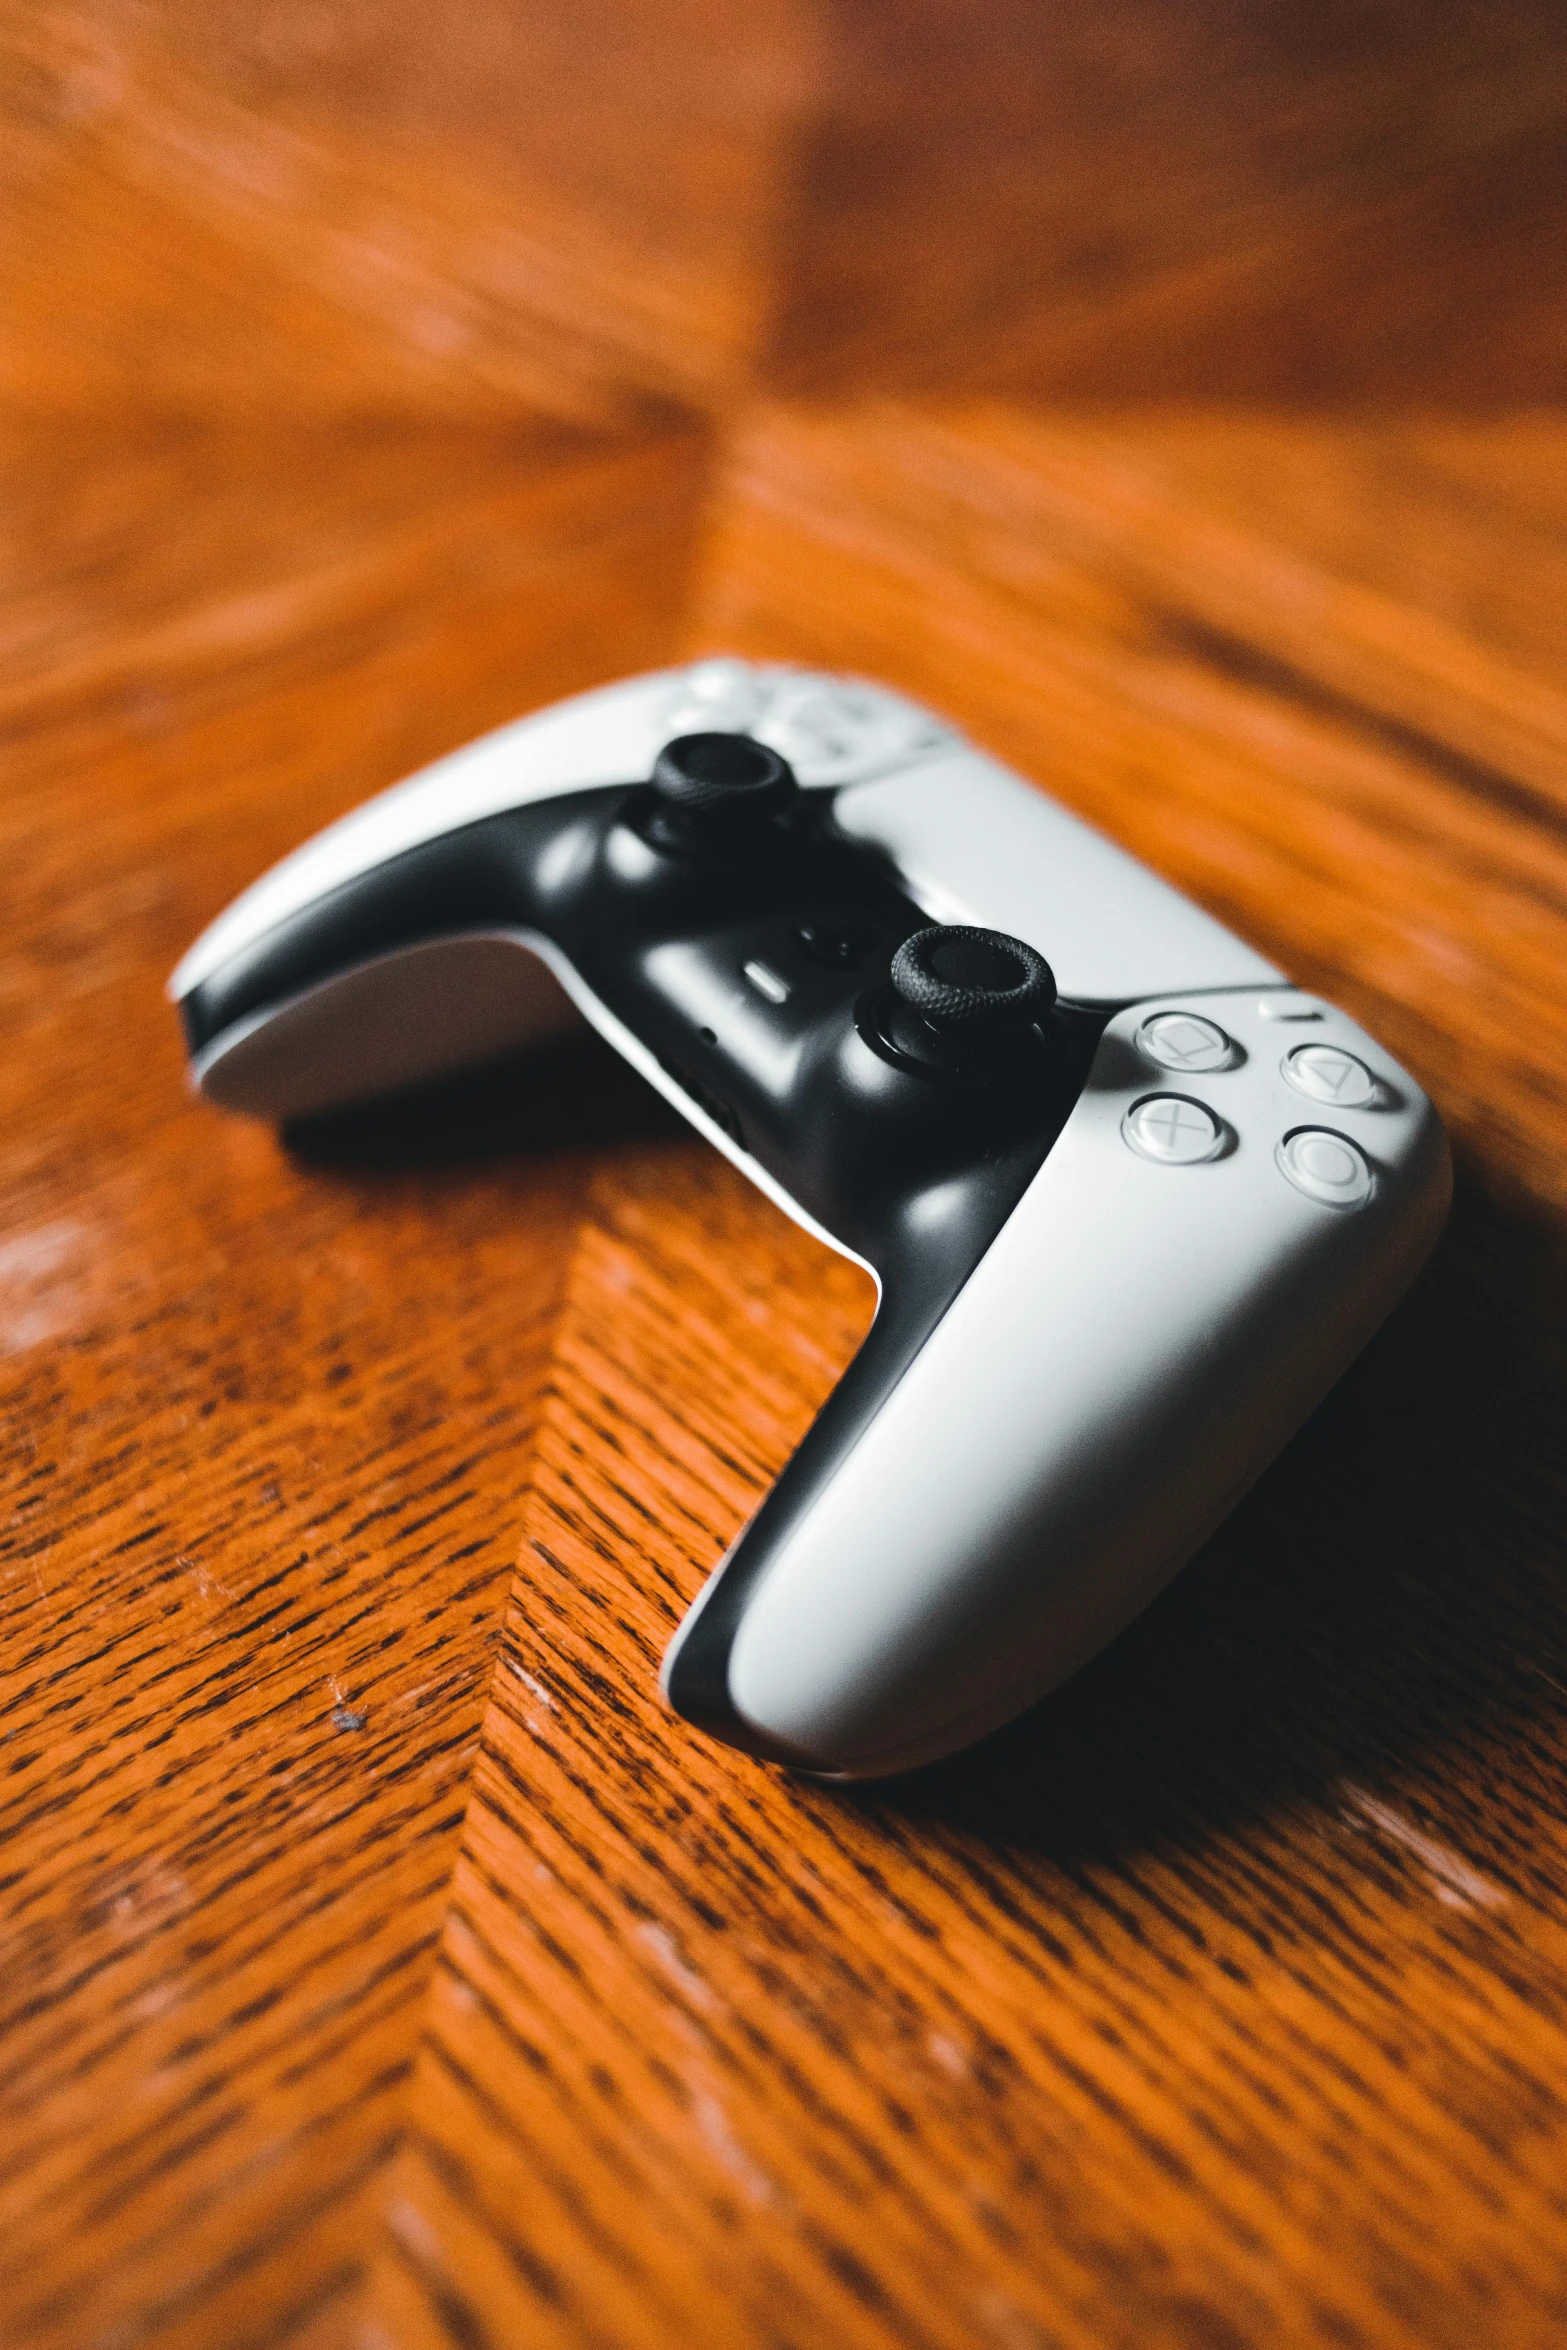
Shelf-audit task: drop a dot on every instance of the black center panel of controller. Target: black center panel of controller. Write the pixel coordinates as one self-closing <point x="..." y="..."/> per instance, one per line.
<point x="717" y="958"/>
<point x="761" y="976"/>
<point x="756" y="968"/>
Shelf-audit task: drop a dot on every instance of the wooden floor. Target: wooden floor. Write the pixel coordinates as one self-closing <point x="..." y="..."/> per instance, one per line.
<point x="1182" y="407"/>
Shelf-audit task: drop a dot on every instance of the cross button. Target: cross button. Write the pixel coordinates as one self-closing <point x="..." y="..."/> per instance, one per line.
<point x="1172" y="1130"/>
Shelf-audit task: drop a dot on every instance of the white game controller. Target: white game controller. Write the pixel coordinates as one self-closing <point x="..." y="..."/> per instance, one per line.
<point x="1132" y="1203"/>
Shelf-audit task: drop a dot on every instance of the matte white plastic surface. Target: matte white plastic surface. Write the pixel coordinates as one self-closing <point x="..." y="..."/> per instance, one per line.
<point x="974" y="844"/>
<point x="1130" y="1354"/>
<point x="391" y="1021"/>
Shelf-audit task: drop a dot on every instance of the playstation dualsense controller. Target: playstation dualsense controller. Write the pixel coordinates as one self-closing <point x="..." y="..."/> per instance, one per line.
<point x="1131" y="1201"/>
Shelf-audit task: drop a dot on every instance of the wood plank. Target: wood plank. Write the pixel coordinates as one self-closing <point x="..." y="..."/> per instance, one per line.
<point x="1212" y="202"/>
<point x="348" y="384"/>
<point x="269" y="1416"/>
<point x="331" y="212"/>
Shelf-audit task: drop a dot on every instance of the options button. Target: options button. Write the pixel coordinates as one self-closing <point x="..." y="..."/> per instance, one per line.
<point x="838" y="732"/>
<point x="715" y="697"/>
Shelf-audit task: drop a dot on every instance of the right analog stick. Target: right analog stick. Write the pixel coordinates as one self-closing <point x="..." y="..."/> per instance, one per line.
<point x="967" y="982"/>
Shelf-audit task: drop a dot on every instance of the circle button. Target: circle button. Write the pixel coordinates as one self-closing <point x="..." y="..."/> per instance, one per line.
<point x="1172" y="1131"/>
<point x="1184" y="1040"/>
<point x="1325" y="1073"/>
<point x="1325" y="1167"/>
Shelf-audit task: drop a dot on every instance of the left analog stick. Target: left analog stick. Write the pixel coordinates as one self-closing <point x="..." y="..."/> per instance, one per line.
<point x="721" y="779"/>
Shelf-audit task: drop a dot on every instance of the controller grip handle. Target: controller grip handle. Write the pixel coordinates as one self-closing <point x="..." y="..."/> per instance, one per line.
<point x="394" y="946"/>
<point x="400" y="974"/>
<point x="393" y="1021"/>
<point x="1098" y="1396"/>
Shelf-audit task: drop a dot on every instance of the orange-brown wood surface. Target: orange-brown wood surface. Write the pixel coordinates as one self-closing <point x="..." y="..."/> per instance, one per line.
<point x="1172" y="397"/>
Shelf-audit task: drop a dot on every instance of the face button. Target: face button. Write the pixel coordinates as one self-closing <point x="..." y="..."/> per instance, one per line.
<point x="1172" y="1131"/>
<point x="833" y="730"/>
<point x="1325" y="1167"/>
<point x="970" y="982"/>
<point x="838" y="946"/>
<point x="1326" y="1074"/>
<point x="1184" y="1040"/>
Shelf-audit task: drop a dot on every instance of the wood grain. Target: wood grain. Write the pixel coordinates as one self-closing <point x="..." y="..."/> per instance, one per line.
<point x="1221" y="2001"/>
<point x="269" y="1418"/>
<point x="383" y="1966"/>
<point x="335" y="211"/>
<point x="1217" y="201"/>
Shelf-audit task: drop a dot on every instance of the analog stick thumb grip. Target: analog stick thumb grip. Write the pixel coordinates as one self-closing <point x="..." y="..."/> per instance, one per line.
<point x="722" y="776"/>
<point x="968" y="980"/>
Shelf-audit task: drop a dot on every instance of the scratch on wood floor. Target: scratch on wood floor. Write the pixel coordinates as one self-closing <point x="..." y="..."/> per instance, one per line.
<point x="1457" y="1884"/>
<point x="665" y="1950"/>
<point x="716" y="2129"/>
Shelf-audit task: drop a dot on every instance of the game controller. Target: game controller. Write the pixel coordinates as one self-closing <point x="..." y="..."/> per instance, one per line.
<point x="1132" y="1202"/>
